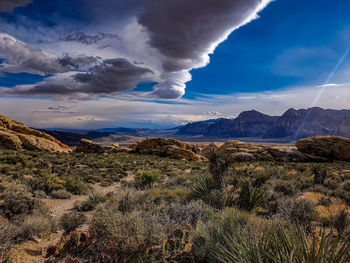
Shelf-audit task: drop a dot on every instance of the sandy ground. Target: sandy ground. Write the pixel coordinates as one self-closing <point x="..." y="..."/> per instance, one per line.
<point x="30" y="251"/>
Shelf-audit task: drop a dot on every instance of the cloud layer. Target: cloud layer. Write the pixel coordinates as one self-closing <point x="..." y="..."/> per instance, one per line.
<point x="22" y="57"/>
<point x="9" y="5"/>
<point x="145" y="40"/>
<point x="125" y="111"/>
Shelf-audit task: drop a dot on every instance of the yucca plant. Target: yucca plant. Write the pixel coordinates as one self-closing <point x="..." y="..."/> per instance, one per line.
<point x="250" y="197"/>
<point x="97" y="198"/>
<point x="203" y="188"/>
<point x="279" y="244"/>
<point x="220" y="162"/>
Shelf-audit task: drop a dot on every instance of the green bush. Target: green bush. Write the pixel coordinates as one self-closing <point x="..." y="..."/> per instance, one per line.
<point x="71" y="221"/>
<point x="147" y="179"/>
<point x="213" y="232"/>
<point x="91" y="203"/>
<point x="75" y="186"/>
<point x="13" y="160"/>
<point x="46" y="182"/>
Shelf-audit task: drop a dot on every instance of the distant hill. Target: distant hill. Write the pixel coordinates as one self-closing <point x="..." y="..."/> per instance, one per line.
<point x="293" y="124"/>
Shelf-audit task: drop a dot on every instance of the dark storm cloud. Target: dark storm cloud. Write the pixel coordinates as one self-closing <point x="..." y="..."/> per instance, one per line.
<point x="169" y="38"/>
<point x="109" y="77"/>
<point x="188" y="29"/>
<point x="88" y="39"/>
<point x="76" y="62"/>
<point x="22" y="57"/>
<point x="185" y="32"/>
<point x="8" y="5"/>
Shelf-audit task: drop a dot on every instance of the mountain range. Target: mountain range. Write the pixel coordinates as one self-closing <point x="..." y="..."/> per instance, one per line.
<point x="290" y="126"/>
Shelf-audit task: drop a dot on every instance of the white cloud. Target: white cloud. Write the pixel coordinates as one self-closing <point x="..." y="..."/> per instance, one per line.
<point x="170" y="38"/>
<point x="125" y="111"/>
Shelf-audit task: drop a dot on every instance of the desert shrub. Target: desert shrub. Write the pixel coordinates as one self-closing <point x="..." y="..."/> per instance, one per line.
<point x="127" y="236"/>
<point x="298" y="210"/>
<point x="72" y="220"/>
<point x="13" y="160"/>
<point x="341" y="221"/>
<point x="35" y="225"/>
<point x="323" y="215"/>
<point x="331" y="184"/>
<point x="325" y="201"/>
<point x="91" y="203"/>
<point x="157" y="195"/>
<point x="189" y="213"/>
<point x="282" y="244"/>
<point x="18" y="201"/>
<point x="347" y="185"/>
<point x="125" y="204"/>
<point x="39" y="194"/>
<point x="74" y="185"/>
<point x="147" y="179"/>
<point x="286" y="187"/>
<point x="8" y="232"/>
<point x="60" y="194"/>
<point x="320" y="173"/>
<point x="45" y="182"/>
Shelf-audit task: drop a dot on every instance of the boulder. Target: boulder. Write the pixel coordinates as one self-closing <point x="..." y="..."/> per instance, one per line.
<point x="243" y="151"/>
<point x="15" y="136"/>
<point x="329" y="147"/>
<point x="243" y="157"/>
<point x="238" y="146"/>
<point x="154" y="143"/>
<point x="286" y="152"/>
<point x="167" y="148"/>
<point x="87" y="146"/>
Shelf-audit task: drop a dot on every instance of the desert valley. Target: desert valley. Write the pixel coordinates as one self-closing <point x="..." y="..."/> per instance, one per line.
<point x="163" y="200"/>
<point x="174" y="131"/>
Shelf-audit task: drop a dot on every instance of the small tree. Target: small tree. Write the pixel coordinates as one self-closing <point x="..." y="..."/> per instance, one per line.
<point x="320" y="174"/>
<point x="219" y="167"/>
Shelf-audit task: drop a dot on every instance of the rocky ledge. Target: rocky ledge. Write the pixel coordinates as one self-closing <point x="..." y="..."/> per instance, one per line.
<point x="15" y="136"/>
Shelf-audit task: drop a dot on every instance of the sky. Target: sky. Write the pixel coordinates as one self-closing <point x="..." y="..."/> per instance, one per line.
<point x="88" y="64"/>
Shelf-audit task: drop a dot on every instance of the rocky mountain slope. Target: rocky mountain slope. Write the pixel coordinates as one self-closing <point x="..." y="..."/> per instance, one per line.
<point x="293" y="124"/>
<point x="15" y="136"/>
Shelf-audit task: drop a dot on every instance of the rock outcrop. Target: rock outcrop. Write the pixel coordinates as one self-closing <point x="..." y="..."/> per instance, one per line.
<point x="167" y="148"/>
<point x="87" y="146"/>
<point x="15" y="136"/>
<point x="329" y="147"/>
<point x="243" y="151"/>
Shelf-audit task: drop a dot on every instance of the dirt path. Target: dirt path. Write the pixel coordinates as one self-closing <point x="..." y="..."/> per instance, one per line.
<point x="59" y="207"/>
<point x="30" y="251"/>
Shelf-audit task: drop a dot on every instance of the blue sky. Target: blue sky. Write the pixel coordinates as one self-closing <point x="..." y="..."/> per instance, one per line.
<point x="149" y="63"/>
<point x="295" y="42"/>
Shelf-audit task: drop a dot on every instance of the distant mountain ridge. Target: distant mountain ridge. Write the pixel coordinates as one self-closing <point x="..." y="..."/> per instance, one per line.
<point x="293" y="124"/>
<point x="290" y="126"/>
